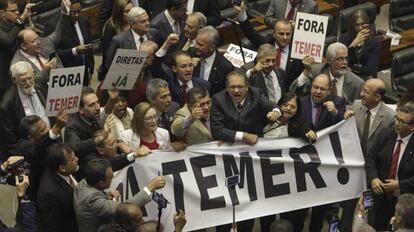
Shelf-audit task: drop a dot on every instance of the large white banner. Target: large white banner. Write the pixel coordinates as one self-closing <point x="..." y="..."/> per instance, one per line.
<point x="125" y="69"/>
<point x="65" y="88"/>
<point x="275" y="176"/>
<point x="309" y="36"/>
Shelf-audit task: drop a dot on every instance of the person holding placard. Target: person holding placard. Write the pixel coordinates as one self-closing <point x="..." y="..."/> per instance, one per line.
<point x="280" y="38"/>
<point x="287" y="9"/>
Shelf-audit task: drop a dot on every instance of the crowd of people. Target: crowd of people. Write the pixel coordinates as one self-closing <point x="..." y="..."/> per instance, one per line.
<point x="187" y="93"/>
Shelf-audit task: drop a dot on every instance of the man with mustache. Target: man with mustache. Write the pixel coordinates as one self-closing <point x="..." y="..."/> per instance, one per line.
<point x="22" y="99"/>
<point x="345" y="83"/>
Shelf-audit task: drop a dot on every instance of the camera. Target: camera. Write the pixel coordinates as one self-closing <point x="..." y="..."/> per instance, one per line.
<point x="160" y="199"/>
<point x="19" y="169"/>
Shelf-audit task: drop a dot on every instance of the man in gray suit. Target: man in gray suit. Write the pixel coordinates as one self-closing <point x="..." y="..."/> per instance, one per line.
<point x="372" y="116"/>
<point x="94" y="207"/>
<point x="40" y="52"/>
<point x="287" y="9"/>
<point x="345" y="83"/>
<point x="132" y="39"/>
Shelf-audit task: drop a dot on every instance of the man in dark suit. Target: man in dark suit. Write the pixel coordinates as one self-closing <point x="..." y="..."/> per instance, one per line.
<point x="280" y="39"/>
<point x="320" y="110"/>
<point x="22" y="99"/>
<point x="171" y="20"/>
<point x="36" y="139"/>
<point x="209" y="8"/>
<point x="81" y="127"/>
<point x="240" y="113"/>
<point x="55" y="197"/>
<point x="266" y="76"/>
<point x="11" y="23"/>
<point x="182" y="79"/>
<point x="133" y="38"/>
<point x="390" y="165"/>
<point x="213" y="66"/>
<point x="287" y="9"/>
<point x="159" y="95"/>
<point x="75" y="48"/>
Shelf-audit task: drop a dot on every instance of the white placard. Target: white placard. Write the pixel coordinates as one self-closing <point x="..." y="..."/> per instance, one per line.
<point x="276" y="175"/>
<point x="234" y="55"/>
<point x="65" y="88"/>
<point x="309" y="36"/>
<point x="125" y="69"/>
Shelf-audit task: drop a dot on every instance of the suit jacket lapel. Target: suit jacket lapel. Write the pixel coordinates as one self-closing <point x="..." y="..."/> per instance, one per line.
<point x="408" y="152"/>
<point x="62" y="183"/>
<point x="377" y="120"/>
<point x="130" y="40"/>
<point x="18" y="104"/>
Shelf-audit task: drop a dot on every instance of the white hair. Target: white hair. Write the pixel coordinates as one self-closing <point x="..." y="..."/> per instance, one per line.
<point x="134" y="13"/>
<point x="333" y="48"/>
<point x="20" y="68"/>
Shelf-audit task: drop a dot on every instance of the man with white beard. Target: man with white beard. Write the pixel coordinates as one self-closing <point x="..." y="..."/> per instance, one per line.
<point x="20" y="100"/>
<point x="345" y="83"/>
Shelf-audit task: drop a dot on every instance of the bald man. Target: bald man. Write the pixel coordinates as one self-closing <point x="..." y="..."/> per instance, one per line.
<point x="372" y="116"/>
<point x="371" y="102"/>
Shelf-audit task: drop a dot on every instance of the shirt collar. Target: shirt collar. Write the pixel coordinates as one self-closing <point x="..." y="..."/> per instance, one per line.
<point x="209" y="60"/>
<point x="374" y="110"/>
<point x="169" y="17"/>
<point x="189" y="83"/>
<point x="284" y="50"/>
<point x="406" y="139"/>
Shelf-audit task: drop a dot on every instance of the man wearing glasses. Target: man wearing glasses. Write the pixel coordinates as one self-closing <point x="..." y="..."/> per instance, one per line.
<point x="390" y="165"/>
<point x="345" y="83"/>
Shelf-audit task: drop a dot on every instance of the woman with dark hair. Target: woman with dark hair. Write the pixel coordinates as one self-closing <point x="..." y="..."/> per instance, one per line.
<point x="290" y="124"/>
<point x="363" y="47"/>
<point x="117" y="23"/>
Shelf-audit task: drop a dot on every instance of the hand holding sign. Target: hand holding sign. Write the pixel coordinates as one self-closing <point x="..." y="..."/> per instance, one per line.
<point x="241" y="8"/>
<point x="307" y="62"/>
<point x="142" y="151"/>
<point x="60" y="122"/>
<point x="179" y="221"/>
<point x="156" y="183"/>
<point x="250" y="138"/>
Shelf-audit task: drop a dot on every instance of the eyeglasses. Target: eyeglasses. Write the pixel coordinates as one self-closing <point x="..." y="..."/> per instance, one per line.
<point x="151" y="119"/>
<point x="341" y="59"/>
<point x="400" y="121"/>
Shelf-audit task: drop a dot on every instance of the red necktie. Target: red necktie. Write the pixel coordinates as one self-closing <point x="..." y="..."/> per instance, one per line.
<point x="278" y="56"/>
<point x="291" y="13"/>
<point x="40" y="61"/>
<point x="317" y="115"/>
<point x="394" y="162"/>
<point x="239" y="107"/>
<point x="183" y="94"/>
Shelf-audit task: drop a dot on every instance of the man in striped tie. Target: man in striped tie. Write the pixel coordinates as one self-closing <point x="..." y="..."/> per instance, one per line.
<point x="390" y="165"/>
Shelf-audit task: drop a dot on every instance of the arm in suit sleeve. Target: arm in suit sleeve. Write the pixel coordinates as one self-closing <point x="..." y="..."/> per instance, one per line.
<point x="371" y="160"/>
<point x="81" y="147"/>
<point x="140" y="198"/>
<point x="6" y="128"/>
<point x="315" y="8"/>
<point x="10" y="37"/>
<point x="407" y="185"/>
<point x="110" y="54"/>
<point x="120" y="162"/>
<point x="213" y="13"/>
<point x="340" y="105"/>
<point x="217" y="123"/>
<point x="177" y="125"/>
<point x="52" y="212"/>
<point x="372" y="58"/>
<point x="27" y="216"/>
<point x="269" y="18"/>
<point x="56" y="35"/>
<point x="252" y="34"/>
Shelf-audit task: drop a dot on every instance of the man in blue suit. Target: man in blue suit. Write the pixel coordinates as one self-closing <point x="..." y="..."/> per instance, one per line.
<point x="181" y="79"/>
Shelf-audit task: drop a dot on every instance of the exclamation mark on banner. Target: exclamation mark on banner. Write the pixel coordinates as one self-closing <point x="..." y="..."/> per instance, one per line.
<point x="343" y="173"/>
